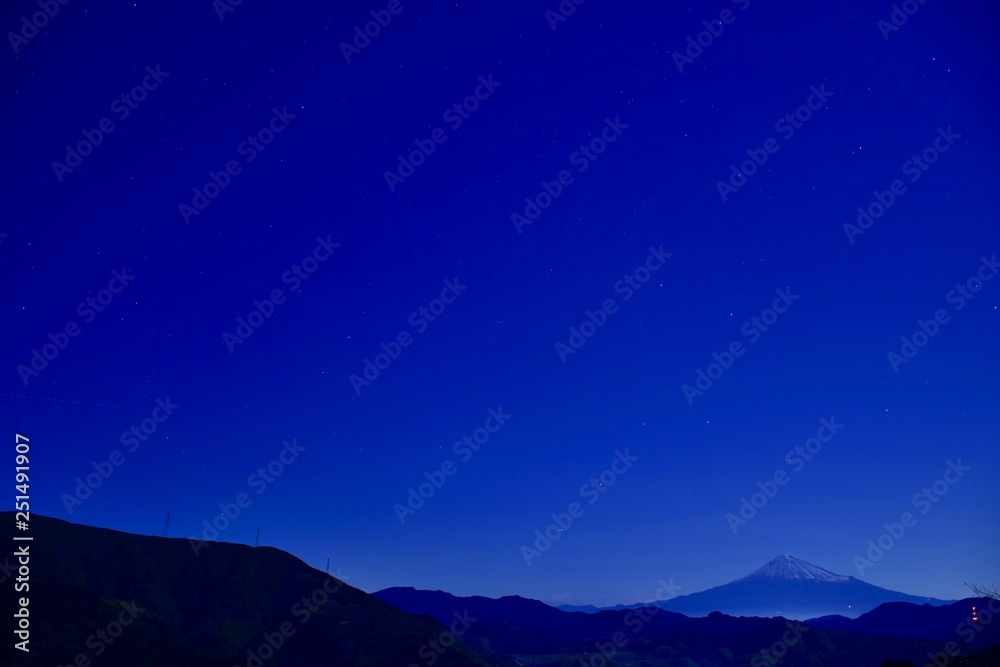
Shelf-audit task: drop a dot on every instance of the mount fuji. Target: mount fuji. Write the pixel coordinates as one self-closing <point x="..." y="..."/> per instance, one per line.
<point x="790" y="587"/>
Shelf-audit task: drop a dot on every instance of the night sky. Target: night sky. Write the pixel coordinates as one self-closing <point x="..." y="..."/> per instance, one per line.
<point x="576" y="264"/>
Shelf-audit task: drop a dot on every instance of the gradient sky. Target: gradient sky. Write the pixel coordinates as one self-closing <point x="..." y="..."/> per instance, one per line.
<point x="608" y="68"/>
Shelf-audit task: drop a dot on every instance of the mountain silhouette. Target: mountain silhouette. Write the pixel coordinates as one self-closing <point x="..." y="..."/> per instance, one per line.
<point x="513" y="630"/>
<point x="793" y="588"/>
<point x="106" y="598"/>
<point x="946" y="622"/>
<point x="170" y="607"/>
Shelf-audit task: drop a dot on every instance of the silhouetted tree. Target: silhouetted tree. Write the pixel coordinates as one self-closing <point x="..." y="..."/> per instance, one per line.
<point x="985" y="592"/>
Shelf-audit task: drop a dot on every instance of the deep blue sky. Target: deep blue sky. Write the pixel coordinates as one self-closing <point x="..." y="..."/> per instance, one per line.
<point x="323" y="176"/>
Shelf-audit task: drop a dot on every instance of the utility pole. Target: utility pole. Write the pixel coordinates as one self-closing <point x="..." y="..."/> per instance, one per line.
<point x="257" y="541"/>
<point x="166" y="526"/>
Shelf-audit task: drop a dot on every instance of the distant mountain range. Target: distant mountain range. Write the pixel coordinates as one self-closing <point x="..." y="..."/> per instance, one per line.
<point x="104" y="598"/>
<point x="785" y="586"/>
<point x="530" y="632"/>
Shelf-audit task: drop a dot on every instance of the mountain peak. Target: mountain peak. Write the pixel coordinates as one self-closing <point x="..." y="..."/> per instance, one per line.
<point x="789" y="568"/>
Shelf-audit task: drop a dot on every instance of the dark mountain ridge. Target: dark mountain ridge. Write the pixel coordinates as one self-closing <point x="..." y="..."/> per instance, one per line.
<point x="101" y="597"/>
<point x="902" y="619"/>
<point x="789" y="587"/>
<point x="522" y="629"/>
<point x="224" y="607"/>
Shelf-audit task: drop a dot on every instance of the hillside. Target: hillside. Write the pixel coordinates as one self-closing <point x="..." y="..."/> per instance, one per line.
<point x="208" y="610"/>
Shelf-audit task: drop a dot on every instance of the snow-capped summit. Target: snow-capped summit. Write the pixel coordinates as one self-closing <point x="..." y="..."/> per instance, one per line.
<point x="790" y="568"/>
<point x="790" y="587"/>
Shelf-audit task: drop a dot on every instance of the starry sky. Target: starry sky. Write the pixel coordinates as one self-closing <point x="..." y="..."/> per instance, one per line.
<point x="679" y="287"/>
